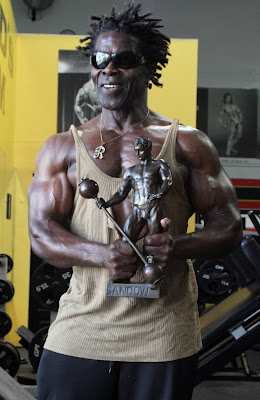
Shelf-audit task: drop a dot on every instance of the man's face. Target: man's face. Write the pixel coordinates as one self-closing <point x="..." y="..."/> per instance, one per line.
<point x="118" y="88"/>
<point x="228" y="99"/>
<point x="142" y="151"/>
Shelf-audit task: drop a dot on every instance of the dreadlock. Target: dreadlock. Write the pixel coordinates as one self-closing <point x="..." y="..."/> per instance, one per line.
<point x="153" y="44"/>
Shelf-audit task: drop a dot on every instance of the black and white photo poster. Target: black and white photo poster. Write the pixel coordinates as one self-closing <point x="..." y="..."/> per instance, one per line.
<point x="77" y="99"/>
<point x="229" y="117"/>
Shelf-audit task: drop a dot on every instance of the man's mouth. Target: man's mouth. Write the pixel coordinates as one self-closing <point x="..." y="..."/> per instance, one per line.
<point x="112" y="89"/>
<point x="111" y="86"/>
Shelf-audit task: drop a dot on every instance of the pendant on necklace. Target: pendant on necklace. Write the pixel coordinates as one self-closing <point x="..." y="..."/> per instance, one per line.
<point x="99" y="152"/>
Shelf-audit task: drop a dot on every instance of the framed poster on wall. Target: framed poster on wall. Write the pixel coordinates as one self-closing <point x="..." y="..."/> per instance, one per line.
<point x="77" y="99"/>
<point x="230" y="117"/>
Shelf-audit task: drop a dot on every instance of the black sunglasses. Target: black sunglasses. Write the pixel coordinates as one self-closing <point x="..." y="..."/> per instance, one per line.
<point x="125" y="59"/>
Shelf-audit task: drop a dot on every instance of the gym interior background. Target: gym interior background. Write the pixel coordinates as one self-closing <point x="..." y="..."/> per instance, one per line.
<point x="215" y="46"/>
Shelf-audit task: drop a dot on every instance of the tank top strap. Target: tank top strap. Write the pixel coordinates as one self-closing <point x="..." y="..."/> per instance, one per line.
<point x="78" y="141"/>
<point x="169" y="155"/>
<point x="170" y="140"/>
<point x="80" y="150"/>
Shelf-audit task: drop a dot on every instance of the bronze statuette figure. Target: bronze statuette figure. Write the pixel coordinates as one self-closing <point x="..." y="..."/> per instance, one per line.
<point x="150" y="179"/>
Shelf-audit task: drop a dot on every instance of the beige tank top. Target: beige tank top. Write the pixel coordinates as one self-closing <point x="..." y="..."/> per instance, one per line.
<point x="91" y="325"/>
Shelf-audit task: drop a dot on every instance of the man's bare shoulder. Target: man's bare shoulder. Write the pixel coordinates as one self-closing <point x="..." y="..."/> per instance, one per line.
<point x="129" y="171"/>
<point x="159" y="120"/>
<point x="58" y="142"/>
<point x="189" y="134"/>
<point x="58" y="150"/>
<point x="195" y="147"/>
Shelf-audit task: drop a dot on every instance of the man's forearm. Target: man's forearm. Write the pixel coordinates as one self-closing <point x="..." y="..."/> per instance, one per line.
<point x="209" y="242"/>
<point x="56" y="245"/>
<point x="115" y="199"/>
<point x="165" y="187"/>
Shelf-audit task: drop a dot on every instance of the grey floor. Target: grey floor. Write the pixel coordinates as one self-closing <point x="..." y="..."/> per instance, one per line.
<point x="211" y="390"/>
<point x="231" y="390"/>
<point x="207" y="390"/>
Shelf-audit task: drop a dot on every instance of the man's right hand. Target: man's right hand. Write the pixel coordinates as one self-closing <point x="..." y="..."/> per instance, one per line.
<point x="122" y="262"/>
<point x="100" y="203"/>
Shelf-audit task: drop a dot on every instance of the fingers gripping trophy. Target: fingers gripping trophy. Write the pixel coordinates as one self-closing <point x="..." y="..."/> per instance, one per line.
<point x="150" y="180"/>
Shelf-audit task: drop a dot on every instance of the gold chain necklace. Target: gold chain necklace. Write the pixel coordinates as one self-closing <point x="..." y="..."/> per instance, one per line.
<point x="100" y="150"/>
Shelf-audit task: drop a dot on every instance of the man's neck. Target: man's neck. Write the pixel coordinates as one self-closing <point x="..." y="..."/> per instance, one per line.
<point x="123" y="120"/>
<point x="147" y="160"/>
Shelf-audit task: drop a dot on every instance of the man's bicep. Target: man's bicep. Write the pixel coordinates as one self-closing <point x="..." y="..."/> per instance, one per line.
<point x="165" y="172"/>
<point x="50" y="199"/>
<point x="126" y="184"/>
<point x="50" y="193"/>
<point x="212" y="192"/>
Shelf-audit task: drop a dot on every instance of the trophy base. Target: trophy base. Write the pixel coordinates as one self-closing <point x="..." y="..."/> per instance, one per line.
<point x="141" y="290"/>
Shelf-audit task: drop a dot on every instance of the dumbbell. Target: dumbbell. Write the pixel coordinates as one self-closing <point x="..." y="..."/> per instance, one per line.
<point x="6" y="294"/>
<point x="33" y="343"/>
<point x="6" y="287"/>
<point x="9" y="262"/>
<point x="5" y="324"/>
<point x="9" y="358"/>
<point x="6" y="291"/>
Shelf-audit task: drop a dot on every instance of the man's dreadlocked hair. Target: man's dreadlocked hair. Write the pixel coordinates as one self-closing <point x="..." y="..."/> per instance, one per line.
<point x="153" y="44"/>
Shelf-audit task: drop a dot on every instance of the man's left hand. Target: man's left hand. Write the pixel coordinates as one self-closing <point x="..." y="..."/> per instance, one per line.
<point x="160" y="245"/>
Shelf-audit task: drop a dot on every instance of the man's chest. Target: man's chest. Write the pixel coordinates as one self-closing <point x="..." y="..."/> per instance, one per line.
<point x="119" y="156"/>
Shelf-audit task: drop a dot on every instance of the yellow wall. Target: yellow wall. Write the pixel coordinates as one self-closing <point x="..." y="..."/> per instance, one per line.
<point x="8" y="64"/>
<point x="8" y="39"/>
<point x="178" y="96"/>
<point x="8" y="60"/>
<point x="36" y="120"/>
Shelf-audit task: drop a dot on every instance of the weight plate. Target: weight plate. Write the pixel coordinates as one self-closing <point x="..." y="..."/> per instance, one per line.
<point x="6" y="291"/>
<point x="9" y="358"/>
<point x="216" y="279"/>
<point x="36" y="347"/>
<point x="5" y="324"/>
<point x="10" y="262"/>
<point x="48" y="283"/>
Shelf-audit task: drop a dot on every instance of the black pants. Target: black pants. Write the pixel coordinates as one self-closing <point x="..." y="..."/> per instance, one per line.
<point x="62" y="377"/>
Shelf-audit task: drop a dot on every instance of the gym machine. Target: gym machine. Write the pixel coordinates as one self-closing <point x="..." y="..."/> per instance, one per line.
<point x="12" y="390"/>
<point x="233" y="326"/>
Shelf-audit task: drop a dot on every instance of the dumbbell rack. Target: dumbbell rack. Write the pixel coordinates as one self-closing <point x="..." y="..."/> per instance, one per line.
<point x="3" y="275"/>
<point x="9" y="355"/>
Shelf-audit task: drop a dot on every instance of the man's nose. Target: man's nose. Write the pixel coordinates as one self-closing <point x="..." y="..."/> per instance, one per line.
<point x="110" y="69"/>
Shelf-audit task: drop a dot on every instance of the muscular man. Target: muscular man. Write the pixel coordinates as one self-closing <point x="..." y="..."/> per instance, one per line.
<point x="86" y="103"/>
<point x="126" y="348"/>
<point x="230" y="118"/>
<point x="150" y="179"/>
